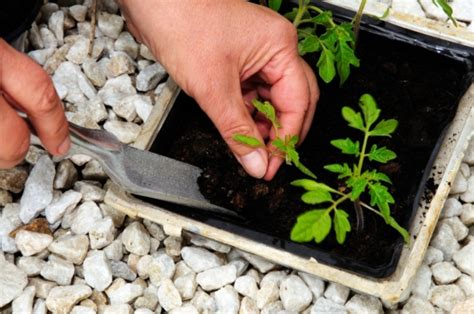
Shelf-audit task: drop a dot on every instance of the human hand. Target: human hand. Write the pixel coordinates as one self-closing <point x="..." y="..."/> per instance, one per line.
<point x="26" y="87"/>
<point x="224" y="54"/>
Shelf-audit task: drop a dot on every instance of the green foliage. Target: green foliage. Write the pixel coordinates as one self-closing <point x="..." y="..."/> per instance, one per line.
<point x="267" y="109"/>
<point x="285" y="146"/>
<point x="274" y="4"/>
<point x="247" y="140"/>
<point x="316" y="224"/>
<point x="319" y="33"/>
<point x="443" y="4"/>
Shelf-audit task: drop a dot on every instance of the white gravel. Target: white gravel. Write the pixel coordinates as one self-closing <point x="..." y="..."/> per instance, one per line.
<point x="99" y="260"/>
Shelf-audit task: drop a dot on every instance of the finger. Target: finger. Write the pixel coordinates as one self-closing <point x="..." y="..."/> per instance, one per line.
<point x="29" y="86"/>
<point x="290" y="95"/>
<point x="224" y="105"/>
<point x="313" y="99"/>
<point x="14" y="136"/>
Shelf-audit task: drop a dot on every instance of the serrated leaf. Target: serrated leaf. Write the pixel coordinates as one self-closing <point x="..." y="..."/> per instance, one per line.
<point x="394" y="224"/>
<point x="305" y="170"/>
<point x="374" y="175"/>
<point x="354" y="118"/>
<point x="341" y="225"/>
<point x="311" y="185"/>
<point x="345" y="56"/>
<point x="308" y="44"/>
<point x="312" y="224"/>
<point x="292" y="157"/>
<point x="382" y="154"/>
<point x="247" y="140"/>
<point x="268" y="111"/>
<point x="292" y="14"/>
<point x="384" y="128"/>
<point x="347" y="146"/>
<point x="327" y="69"/>
<point x="279" y="144"/>
<point x="274" y="4"/>
<point x="316" y="197"/>
<point x="380" y="196"/>
<point x="344" y="170"/>
<point x="292" y="140"/>
<point x="369" y="109"/>
<point x="324" y="18"/>
<point x="357" y="186"/>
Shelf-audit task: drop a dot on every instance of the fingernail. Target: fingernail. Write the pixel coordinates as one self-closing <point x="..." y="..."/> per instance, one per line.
<point x="64" y="147"/>
<point x="254" y="164"/>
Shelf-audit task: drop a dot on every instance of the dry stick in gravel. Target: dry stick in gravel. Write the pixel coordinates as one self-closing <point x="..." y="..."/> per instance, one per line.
<point x="93" y="26"/>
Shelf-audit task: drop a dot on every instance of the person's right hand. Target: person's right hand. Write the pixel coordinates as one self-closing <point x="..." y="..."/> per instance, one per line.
<point x="224" y="54"/>
<point x="26" y="87"/>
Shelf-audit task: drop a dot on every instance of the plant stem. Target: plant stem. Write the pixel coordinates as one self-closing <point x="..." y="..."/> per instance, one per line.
<point x="362" y="153"/>
<point x="319" y="11"/>
<point x="358" y="18"/>
<point x="371" y="209"/>
<point x="301" y="10"/>
<point x="337" y="202"/>
<point x="359" y="216"/>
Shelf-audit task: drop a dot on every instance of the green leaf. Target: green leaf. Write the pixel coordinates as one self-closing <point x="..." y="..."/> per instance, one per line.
<point x="292" y="140"/>
<point x="357" y="186"/>
<point x="384" y="128"/>
<point x="324" y="18"/>
<point x="386" y="13"/>
<point x="380" y="196"/>
<point x="382" y="154"/>
<point x="446" y="9"/>
<point x="311" y="185"/>
<point x="292" y="14"/>
<point x="316" y="197"/>
<point x="279" y="144"/>
<point x="369" y="109"/>
<point x="376" y="176"/>
<point x="274" y="4"/>
<point x="343" y="170"/>
<point x="268" y="111"/>
<point x="341" y="225"/>
<point x="347" y="146"/>
<point x="404" y="232"/>
<point x="247" y="140"/>
<point x="327" y="69"/>
<point x="344" y="52"/>
<point x="309" y="44"/>
<point x="354" y="118"/>
<point x="304" y="170"/>
<point x="312" y="224"/>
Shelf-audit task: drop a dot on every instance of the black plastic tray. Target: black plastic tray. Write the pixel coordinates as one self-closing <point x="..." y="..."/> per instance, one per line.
<point x="185" y="110"/>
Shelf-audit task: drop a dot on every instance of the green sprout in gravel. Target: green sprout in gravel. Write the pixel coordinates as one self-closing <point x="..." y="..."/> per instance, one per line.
<point x="317" y="223"/>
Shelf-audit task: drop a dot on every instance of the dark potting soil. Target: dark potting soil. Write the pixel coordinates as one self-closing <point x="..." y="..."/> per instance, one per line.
<point x="419" y="88"/>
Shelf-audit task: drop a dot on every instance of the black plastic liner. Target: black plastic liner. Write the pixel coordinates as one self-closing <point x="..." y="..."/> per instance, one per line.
<point x="16" y="17"/>
<point x="185" y="111"/>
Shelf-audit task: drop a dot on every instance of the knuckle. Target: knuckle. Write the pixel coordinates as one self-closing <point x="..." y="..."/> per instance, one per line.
<point x="232" y="129"/>
<point x="46" y="104"/>
<point x="14" y="155"/>
<point x="286" y="31"/>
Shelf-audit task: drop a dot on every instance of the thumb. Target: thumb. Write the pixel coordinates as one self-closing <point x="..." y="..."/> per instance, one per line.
<point x="226" y="108"/>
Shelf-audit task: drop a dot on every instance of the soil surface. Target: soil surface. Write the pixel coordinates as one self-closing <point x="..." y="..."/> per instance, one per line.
<point x="417" y="87"/>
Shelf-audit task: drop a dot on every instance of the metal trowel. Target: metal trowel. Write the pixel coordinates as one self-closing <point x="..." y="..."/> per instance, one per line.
<point x="141" y="172"/>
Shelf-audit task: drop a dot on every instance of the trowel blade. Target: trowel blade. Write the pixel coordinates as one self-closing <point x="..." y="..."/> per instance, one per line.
<point x="159" y="177"/>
